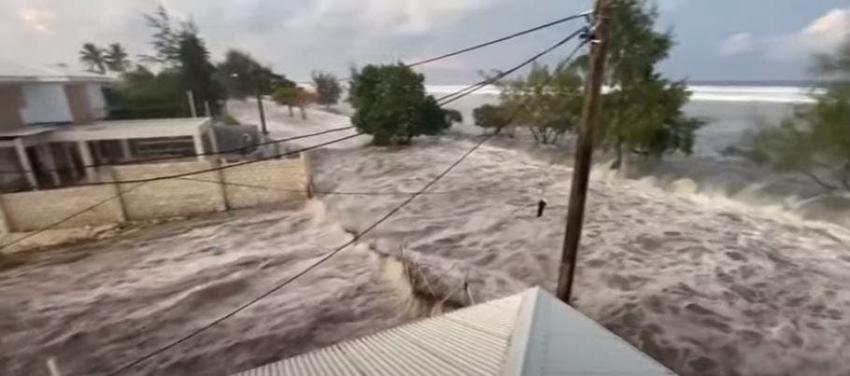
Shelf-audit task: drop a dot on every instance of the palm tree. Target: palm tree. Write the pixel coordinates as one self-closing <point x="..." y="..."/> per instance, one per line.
<point x="93" y="57"/>
<point x="116" y="58"/>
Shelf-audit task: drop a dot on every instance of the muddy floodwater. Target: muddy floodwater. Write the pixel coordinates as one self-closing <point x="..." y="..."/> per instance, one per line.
<point x="706" y="286"/>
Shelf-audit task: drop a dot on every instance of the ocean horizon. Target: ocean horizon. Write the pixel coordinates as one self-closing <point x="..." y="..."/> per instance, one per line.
<point x="701" y="91"/>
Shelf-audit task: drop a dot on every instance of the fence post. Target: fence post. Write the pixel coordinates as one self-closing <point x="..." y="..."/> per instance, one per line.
<point x="222" y="183"/>
<point x="52" y="367"/>
<point x="122" y="205"/>
<point x="5" y="226"/>
<point x="305" y="163"/>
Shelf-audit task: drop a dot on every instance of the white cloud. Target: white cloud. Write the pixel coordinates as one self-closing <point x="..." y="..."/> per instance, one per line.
<point x="822" y="35"/>
<point x="737" y="44"/>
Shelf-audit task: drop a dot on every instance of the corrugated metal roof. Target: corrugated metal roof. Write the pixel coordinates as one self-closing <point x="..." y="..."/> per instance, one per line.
<point x="531" y="333"/>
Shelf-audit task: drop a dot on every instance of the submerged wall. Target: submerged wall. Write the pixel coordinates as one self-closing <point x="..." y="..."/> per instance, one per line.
<point x="241" y="185"/>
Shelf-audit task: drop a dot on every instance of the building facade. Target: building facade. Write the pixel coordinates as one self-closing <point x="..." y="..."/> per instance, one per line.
<point x="53" y="132"/>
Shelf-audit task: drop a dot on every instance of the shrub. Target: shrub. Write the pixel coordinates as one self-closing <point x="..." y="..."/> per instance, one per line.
<point x="390" y="104"/>
<point x="230" y="120"/>
<point x="491" y="117"/>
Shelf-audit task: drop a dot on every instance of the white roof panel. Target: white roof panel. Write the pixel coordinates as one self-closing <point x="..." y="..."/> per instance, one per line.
<point x="531" y="333"/>
<point x="130" y="129"/>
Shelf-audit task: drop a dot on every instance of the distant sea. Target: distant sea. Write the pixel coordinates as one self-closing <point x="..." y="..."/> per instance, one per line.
<point x="732" y="111"/>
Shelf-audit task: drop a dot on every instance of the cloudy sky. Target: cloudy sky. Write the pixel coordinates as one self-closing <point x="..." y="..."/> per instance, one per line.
<point x="716" y="39"/>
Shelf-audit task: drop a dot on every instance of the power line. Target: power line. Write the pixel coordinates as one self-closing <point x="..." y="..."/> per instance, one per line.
<point x="449" y="98"/>
<point x="143" y="181"/>
<point x="466" y="91"/>
<point x="162" y="158"/>
<point x="494" y="41"/>
<point x="417" y="63"/>
<point x="289" y="280"/>
<point x="67" y="218"/>
<point x="502" y="39"/>
<point x="327" y="193"/>
<point x="219" y="168"/>
<point x="323" y="259"/>
<point x="453" y="97"/>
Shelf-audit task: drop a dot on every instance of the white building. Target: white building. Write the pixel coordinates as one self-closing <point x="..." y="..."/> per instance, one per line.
<point x="52" y="130"/>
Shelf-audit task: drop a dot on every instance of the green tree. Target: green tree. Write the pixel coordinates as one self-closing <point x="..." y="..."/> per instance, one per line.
<point x="166" y="38"/>
<point x="241" y="75"/>
<point x="453" y="116"/>
<point x="141" y="94"/>
<point x="816" y="141"/>
<point x="547" y="103"/>
<point x="642" y="113"/>
<point x="493" y="117"/>
<point x="92" y="56"/>
<point x="328" y="89"/>
<point x="116" y="58"/>
<point x="293" y="97"/>
<point x="286" y="96"/>
<point x="197" y="71"/>
<point x="179" y="48"/>
<point x="390" y="104"/>
<point x="185" y="64"/>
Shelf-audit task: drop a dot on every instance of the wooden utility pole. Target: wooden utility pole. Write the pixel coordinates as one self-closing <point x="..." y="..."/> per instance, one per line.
<point x="584" y="151"/>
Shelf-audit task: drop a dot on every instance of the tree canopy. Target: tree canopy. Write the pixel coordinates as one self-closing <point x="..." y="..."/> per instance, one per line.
<point x="241" y="75"/>
<point x="546" y="102"/>
<point x="493" y="117"/>
<point x="816" y="141"/>
<point x="643" y="111"/>
<point x="141" y="94"/>
<point x="328" y="89"/>
<point x="197" y="72"/>
<point x="92" y="57"/>
<point x="390" y="104"/>
<point x="186" y="65"/>
<point x="167" y="36"/>
<point x="294" y="96"/>
<point x="116" y="58"/>
<point x="182" y="63"/>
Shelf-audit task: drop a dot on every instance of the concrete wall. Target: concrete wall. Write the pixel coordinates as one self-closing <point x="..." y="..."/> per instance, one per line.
<point x="96" y="100"/>
<point x="11" y="101"/>
<point x="9" y="164"/>
<point x="78" y="101"/>
<point x="32" y="211"/>
<point x="266" y="183"/>
<point x="191" y="195"/>
<point x="236" y="137"/>
<point x="45" y="103"/>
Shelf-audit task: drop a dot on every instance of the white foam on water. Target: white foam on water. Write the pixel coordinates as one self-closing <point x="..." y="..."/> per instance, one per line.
<point x="775" y="94"/>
